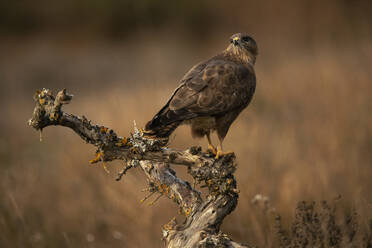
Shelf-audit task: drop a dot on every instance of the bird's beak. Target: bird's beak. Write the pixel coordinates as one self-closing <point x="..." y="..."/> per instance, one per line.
<point x="235" y="41"/>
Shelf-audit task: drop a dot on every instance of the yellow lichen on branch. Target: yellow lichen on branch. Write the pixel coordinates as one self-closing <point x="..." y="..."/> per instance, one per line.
<point x="103" y="129"/>
<point x="98" y="158"/>
<point x="122" y="142"/>
<point x="155" y="159"/>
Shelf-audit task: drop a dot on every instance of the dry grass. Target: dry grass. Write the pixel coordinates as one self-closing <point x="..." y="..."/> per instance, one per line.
<point x="306" y="136"/>
<point x="323" y="227"/>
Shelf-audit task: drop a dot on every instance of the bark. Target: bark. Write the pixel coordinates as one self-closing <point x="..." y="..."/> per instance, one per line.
<point x="204" y="215"/>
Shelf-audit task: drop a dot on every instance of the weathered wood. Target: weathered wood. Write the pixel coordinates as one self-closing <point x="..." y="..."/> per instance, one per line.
<point x="204" y="216"/>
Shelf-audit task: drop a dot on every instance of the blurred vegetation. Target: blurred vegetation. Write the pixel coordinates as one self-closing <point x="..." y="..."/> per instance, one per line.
<point x="323" y="227"/>
<point x="119" y="18"/>
<point x="306" y="136"/>
<point x="113" y="18"/>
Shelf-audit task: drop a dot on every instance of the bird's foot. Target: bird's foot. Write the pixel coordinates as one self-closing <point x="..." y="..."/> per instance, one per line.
<point x="212" y="149"/>
<point x="220" y="153"/>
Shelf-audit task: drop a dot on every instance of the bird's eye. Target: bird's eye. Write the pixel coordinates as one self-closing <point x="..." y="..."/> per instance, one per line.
<point x="246" y="38"/>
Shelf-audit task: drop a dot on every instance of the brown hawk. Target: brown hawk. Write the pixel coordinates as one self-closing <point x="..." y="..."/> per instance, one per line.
<point x="211" y="95"/>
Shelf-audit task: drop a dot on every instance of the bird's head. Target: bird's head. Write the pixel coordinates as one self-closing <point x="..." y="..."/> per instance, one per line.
<point x="243" y="45"/>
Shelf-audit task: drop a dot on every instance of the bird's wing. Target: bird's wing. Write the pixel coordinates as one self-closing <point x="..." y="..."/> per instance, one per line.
<point x="208" y="89"/>
<point x="219" y="87"/>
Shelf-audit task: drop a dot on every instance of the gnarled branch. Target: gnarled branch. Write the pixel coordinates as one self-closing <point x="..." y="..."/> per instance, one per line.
<point x="204" y="216"/>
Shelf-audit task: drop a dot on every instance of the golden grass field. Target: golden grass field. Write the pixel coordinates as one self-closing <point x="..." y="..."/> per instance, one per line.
<point x="307" y="134"/>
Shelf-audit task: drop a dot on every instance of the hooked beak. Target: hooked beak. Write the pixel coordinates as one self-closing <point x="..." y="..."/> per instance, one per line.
<point x="235" y="41"/>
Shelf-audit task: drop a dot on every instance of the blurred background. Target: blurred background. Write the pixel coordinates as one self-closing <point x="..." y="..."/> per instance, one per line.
<point x="307" y="135"/>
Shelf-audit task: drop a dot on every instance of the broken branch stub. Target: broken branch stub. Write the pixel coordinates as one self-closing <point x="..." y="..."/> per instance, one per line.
<point x="204" y="215"/>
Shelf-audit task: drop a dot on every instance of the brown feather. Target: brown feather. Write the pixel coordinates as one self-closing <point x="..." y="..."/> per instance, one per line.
<point x="212" y="94"/>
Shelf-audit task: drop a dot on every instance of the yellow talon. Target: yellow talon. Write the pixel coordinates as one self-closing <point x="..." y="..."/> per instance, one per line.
<point x="212" y="149"/>
<point x="220" y="153"/>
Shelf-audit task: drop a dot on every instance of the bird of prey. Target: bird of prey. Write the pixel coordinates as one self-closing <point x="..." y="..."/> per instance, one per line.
<point x="211" y="95"/>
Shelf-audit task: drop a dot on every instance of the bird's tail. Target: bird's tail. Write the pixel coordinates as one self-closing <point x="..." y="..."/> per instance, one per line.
<point x="160" y="131"/>
<point x="163" y="124"/>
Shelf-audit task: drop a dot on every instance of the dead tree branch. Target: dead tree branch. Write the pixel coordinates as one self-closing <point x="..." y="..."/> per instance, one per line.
<point x="204" y="216"/>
